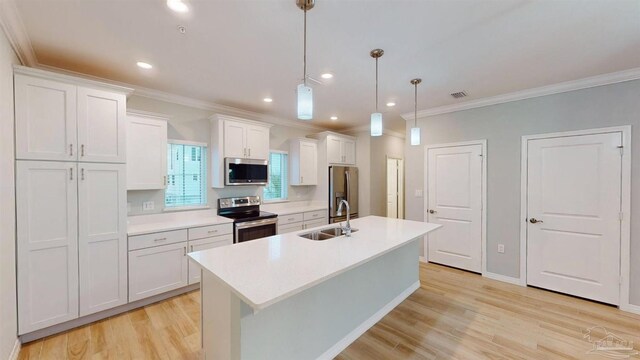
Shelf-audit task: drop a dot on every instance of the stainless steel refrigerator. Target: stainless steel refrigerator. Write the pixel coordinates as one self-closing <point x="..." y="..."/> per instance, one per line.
<point x="343" y="184"/>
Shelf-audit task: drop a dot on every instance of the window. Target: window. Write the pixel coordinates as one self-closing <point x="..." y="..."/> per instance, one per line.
<point x="186" y="174"/>
<point x="278" y="176"/>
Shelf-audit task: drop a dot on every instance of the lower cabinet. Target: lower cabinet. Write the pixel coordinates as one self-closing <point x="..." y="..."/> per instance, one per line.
<point x="156" y="270"/>
<point x="301" y="221"/>
<point x="205" y="244"/>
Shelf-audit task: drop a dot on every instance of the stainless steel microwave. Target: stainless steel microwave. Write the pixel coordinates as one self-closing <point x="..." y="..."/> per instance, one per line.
<point x="246" y="171"/>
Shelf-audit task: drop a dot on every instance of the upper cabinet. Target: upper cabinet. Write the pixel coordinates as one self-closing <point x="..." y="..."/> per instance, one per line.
<point x="62" y="118"/>
<point x="341" y="150"/>
<point x="146" y="152"/>
<point x="232" y="137"/>
<point x="303" y="157"/>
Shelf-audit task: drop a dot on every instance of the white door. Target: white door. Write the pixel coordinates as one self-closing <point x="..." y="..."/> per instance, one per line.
<point x="234" y="139"/>
<point x="146" y="153"/>
<point x="257" y="142"/>
<point x="157" y="270"/>
<point x="334" y="150"/>
<point x="349" y="151"/>
<point x="455" y="201"/>
<point x="45" y="114"/>
<point x="102" y="126"/>
<point x="392" y="188"/>
<point x="102" y="205"/>
<point x="308" y="163"/>
<point x="204" y="244"/>
<point x="47" y="221"/>
<point x="573" y="232"/>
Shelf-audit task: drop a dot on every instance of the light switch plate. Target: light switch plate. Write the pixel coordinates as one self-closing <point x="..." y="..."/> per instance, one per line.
<point x="148" y="206"/>
<point x="501" y="248"/>
<point x="418" y="193"/>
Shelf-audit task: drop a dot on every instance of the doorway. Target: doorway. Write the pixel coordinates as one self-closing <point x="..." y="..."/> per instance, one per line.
<point x="574" y="210"/>
<point x="455" y="183"/>
<point x="395" y="188"/>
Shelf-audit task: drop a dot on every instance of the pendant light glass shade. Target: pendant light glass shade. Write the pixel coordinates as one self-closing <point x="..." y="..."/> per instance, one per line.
<point x="305" y="102"/>
<point x="415" y="136"/>
<point x="376" y="124"/>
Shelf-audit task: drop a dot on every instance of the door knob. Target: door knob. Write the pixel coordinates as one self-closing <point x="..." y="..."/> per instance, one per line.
<point x="432" y="211"/>
<point x="535" y="221"/>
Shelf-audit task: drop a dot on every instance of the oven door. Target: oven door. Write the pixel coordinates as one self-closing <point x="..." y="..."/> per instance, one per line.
<point x="246" y="172"/>
<point x="252" y="230"/>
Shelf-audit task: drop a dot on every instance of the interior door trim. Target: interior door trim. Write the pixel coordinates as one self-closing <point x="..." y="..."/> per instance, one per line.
<point x="483" y="211"/>
<point x="625" y="225"/>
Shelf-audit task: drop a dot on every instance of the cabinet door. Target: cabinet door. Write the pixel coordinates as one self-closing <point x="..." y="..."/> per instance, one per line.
<point x="47" y="243"/>
<point x="45" y="114"/>
<point x="102" y="241"/>
<point x="349" y="151"/>
<point x="157" y="270"/>
<point x="234" y="139"/>
<point x="257" y="142"/>
<point x="204" y="244"/>
<point x="283" y="229"/>
<point x="308" y="163"/>
<point x="315" y="223"/>
<point x="334" y="150"/>
<point x="146" y="153"/>
<point x="101" y="126"/>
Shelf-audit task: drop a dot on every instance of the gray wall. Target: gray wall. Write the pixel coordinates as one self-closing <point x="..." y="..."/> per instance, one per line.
<point x="381" y="148"/>
<point x="186" y="123"/>
<point x="8" y="310"/>
<point x="503" y="126"/>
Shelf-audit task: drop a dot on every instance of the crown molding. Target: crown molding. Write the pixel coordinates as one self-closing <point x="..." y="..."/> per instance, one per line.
<point x="567" y="86"/>
<point x="64" y="77"/>
<point x="367" y="128"/>
<point x="16" y="33"/>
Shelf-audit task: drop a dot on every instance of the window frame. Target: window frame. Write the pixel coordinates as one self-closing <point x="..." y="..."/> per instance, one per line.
<point x="277" y="200"/>
<point x="204" y="172"/>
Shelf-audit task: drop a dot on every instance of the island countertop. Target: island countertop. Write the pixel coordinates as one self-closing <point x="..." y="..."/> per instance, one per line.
<point x="265" y="271"/>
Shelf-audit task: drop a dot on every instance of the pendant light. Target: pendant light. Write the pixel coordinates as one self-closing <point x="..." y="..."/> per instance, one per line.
<point x="376" y="117"/>
<point x="415" y="130"/>
<point x="305" y="93"/>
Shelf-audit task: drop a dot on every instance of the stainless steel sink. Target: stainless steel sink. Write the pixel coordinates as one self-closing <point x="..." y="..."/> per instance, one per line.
<point x="324" y="234"/>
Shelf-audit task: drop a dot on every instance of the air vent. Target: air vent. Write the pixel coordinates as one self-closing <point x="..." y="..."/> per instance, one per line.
<point x="459" y="94"/>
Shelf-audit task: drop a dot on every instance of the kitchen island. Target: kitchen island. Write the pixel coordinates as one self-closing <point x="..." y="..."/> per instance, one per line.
<point x="288" y="297"/>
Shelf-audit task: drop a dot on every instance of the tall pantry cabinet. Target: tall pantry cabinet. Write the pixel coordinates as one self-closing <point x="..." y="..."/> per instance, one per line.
<point x="70" y="197"/>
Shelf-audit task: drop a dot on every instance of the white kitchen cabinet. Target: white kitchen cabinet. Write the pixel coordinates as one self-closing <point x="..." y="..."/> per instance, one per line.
<point x="303" y="156"/>
<point x="146" y="152"/>
<point x="156" y="270"/>
<point x="205" y="244"/>
<point x="288" y="228"/>
<point x="349" y="151"/>
<point x="47" y="243"/>
<point x="102" y="205"/>
<point x="45" y="113"/>
<point x="102" y="123"/>
<point x="258" y="142"/>
<point x="341" y="150"/>
<point x="301" y="221"/>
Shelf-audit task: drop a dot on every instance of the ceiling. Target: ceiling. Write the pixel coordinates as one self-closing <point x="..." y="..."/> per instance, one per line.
<point x="236" y="52"/>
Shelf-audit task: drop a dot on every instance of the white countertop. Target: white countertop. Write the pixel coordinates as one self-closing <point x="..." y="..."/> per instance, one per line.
<point x="265" y="271"/>
<point x="291" y="208"/>
<point x="147" y="224"/>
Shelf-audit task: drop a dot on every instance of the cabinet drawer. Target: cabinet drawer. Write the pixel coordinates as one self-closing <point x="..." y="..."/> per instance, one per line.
<point x="210" y="231"/>
<point x="291" y="218"/>
<point x="157" y="270"/>
<point x="315" y="215"/>
<point x="315" y="223"/>
<point x="283" y="229"/>
<point x="155" y="239"/>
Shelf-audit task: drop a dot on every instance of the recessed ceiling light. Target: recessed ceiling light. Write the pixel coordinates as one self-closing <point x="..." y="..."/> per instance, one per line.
<point x="334" y="118"/>
<point x="326" y="76"/>
<point x="391" y="103"/>
<point x="144" y="65"/>
<point x="177" y="6"/>
<point x="267" y="100"/>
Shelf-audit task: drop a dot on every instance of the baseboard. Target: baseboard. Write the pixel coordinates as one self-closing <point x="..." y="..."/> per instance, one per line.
<point x="635" y="309"/>
<point x="503" y="278"/>
<point x="16" y="350"/>
<point x="423" y="259"/>
<point x="55" y="329"/>
<point x="336" y="349"/>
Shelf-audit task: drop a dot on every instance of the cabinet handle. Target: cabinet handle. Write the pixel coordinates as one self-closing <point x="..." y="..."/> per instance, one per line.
<point x="191" y="248"/>
<point x="82" y="150"/>
<point x="160" y="239"/>
<point x="290" y="219"/>
<point x="70" y="149"/>
<point x="249" y="152"/>
<point x="82" y="174"/>
<point x="244" y="152"/>
<point x="71" y="173"/>
<point x="212" y="231"/>
<point x="185" y="251"/>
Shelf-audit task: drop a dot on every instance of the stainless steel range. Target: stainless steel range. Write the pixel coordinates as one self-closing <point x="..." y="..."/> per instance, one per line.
<point x="249" y="223"/>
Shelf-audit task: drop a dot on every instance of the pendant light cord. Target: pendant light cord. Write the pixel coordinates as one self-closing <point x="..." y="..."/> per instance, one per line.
<point x="305" y="48"/>
<point x="415" y="109"/>
<point x="376" y="84"/>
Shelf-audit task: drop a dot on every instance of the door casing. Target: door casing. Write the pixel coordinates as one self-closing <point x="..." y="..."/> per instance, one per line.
<point x="625" y="224"/>
<point x="425" y="217"/>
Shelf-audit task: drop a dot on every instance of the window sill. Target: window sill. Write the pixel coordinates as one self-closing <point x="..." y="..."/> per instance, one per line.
<point x="275" y="201"/>
<point x="186" y="208"/>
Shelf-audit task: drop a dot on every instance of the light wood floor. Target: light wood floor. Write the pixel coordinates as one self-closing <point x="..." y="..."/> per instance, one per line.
<point x="454" y="315"/>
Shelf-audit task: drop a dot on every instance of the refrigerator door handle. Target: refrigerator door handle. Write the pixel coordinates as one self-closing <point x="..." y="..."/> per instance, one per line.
<point x="347" y="186"/>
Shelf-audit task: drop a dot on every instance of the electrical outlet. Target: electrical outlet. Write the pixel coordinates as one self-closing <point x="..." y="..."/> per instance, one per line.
<point x="501" y="248"/>
<point x="418" y="193"/>
<point x="148" y="206"/>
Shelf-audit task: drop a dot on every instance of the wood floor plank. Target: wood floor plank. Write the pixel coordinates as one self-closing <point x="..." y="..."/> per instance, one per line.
<point x="453" y="315"/>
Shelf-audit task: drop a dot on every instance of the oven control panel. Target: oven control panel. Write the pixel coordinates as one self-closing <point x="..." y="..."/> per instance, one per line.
<point x="238" y="202"/>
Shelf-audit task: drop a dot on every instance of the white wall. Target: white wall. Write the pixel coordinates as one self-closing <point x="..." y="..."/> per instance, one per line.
<point x="503" y="126"/>
<point x="381" y="148"/>
<point x="8" y="310"/>
<point x="192" y="124"/>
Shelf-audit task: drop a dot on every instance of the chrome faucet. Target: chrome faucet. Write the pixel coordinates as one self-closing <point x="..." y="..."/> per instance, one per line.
<point x="346" y="229"/>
